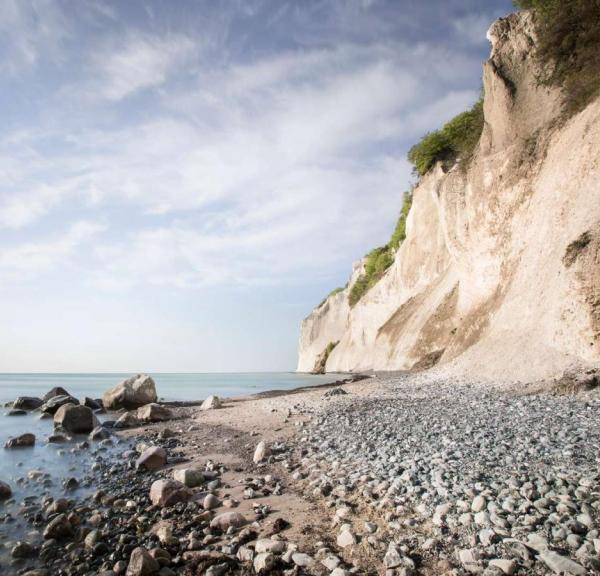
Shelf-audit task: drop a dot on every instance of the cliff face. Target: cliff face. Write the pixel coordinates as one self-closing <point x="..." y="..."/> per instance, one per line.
<point x="499" y="275"/>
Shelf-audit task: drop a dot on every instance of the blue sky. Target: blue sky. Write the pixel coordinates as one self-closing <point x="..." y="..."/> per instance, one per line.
<point x="182" y="181"/>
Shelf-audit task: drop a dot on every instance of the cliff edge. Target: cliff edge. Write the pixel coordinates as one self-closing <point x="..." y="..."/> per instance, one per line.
<point x="499" y="273"/>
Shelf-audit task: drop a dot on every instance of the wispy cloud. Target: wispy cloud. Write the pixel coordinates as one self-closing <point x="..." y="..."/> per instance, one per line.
<point x="234" y="171"/>
<point x="140" y="62"/>
<point x="34" y="258"/>
<point x="30" y="30"/>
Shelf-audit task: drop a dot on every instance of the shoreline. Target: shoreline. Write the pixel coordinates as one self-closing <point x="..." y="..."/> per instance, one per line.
<point x="341" y="492"/>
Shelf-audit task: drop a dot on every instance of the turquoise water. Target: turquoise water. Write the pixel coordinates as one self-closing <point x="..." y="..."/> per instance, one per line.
<point x="58" y="460"/>
<point x="169" y="386"/>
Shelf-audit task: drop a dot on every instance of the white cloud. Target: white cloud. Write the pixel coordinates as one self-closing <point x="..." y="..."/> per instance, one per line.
<point x="139" y="62"/>
<point x="29" y="31"/>
<point x="255" y="173"/>
<point x="34" y="258"/>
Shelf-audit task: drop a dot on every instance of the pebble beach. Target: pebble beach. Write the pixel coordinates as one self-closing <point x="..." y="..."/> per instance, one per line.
<point x="391" y="474"/>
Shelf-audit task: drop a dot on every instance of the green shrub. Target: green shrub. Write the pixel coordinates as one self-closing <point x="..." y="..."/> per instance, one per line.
<point x="569" y="47"/>
<point x="456" y="140"/>
<point x="380" y="259"/>
<point x="399" y="234"/>
<point x="432" y="147"/>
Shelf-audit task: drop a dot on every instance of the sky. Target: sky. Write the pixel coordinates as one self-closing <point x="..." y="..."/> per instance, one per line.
<point x="182" y="181"/>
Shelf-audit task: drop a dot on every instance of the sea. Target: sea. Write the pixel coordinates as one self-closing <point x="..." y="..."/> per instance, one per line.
<point x="60" y="460"/>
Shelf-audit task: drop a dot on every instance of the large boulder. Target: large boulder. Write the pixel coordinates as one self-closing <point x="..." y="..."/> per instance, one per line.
<point x="54" y="403"/>
<point x="211" y="403"/>
<point x="154" y="413"/>
<point x="152" y="459"/>
<point x="23" y="441"/>
<point x="134" y="392"/>
<point x="75" y="419"/>
<point x="27" y="403"/>
<point x="169" y="492"/>
<point x="57" y="391"/>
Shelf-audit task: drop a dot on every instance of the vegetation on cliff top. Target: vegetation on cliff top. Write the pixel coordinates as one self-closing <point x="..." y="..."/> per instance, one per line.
<point x="380" y="259"/>
<point x="456" y="140"/>
<point x="569" y="47"/>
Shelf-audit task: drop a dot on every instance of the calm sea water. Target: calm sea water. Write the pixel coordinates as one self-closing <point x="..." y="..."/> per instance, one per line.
<point x="59" y="461"/>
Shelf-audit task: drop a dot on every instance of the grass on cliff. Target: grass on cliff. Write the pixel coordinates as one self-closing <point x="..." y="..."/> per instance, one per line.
<point x="321" y="361"/>
<point x="380" y="259"/>
<point x="332" y="293"/>
<point x="456" y="140"/>
<point x="569" y="47"/>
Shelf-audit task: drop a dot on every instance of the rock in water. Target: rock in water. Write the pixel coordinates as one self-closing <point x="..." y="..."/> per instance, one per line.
<point x="93" y="403"/>
<point x="262" y="451"/>
<point x="99" y="433"/>
<point x="152" y="459"/>
<point x="52" y="405"/>
<point x="27" y="403"/>
<point x="154" y="413"/>
<point x="23" y="441"/>
<point x="57" y="391"/>
<point x="141" y="563"/>
<point x="169" y="492"/>
<point x="5" y="491"/>
<point x="75" y="419"/>
<point x="211" y="403"/>
<point x="134" y="392"/>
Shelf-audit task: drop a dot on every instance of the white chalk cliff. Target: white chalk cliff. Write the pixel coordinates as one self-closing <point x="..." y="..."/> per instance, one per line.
<point x="499" y="275"/>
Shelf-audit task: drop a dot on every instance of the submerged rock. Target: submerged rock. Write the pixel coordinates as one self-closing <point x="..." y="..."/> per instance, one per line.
<point x="5" y="491"/>
<point x="134" y="392"/>
<point x="27" y="403"/>
<point x="23" y="441"/>
<point x="99" y="433"/>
